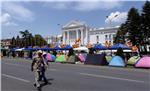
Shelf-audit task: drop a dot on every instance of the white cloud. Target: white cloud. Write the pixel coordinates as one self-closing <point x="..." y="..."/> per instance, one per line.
<point x="17" y="11"/>
<point x="5" y="17"/>
<point x="116" y="17"/>
<point x="6" y="20"/>
<point x="85" y="5"/>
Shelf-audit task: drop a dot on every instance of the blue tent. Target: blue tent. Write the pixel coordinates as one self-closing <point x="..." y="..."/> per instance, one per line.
<point x="117" y="61"/>
<point x="67" y="47"/>
<point x="53" y="58"/>
<point x="46" y="48"/>
<point x="100" y="47"/>
<point x="119" y="45"/>
<point x="14" y="49"/>
<point x="29" y="48"/>
<point x="56" y="48"/>
<point x="37" y="48"/>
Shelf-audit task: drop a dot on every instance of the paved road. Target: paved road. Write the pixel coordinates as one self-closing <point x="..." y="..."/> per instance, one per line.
<point x="16" y="76"/>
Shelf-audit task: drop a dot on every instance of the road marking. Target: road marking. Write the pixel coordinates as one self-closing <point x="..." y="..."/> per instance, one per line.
<point x="110" y="77"/>
<point x="12" y="64"/>
<point x="13" y="77"/>
<point x="52" y="69"/>
<point x="18" y="65"/>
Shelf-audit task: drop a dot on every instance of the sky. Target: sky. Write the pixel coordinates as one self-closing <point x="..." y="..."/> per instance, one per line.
<point x="47" y="17"/>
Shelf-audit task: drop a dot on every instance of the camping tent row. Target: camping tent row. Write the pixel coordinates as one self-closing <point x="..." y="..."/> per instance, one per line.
<point x="100" y="59"/>
<point x="136" y="61"/>
<point x="116" y="46"/>
<point x="68" y="47"/>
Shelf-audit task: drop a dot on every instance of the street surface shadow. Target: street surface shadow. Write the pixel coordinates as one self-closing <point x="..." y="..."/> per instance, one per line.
<point x="49" y="83"/>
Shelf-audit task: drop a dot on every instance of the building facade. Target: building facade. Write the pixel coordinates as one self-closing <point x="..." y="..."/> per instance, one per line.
<point x="75" y="30"/>
<point x="54" y="39"/>
<point x="102" y="35"/>
<point x="6" y="43"/>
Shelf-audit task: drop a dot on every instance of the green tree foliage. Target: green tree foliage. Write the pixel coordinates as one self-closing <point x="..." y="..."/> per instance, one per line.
<point x="13" y="42"/>
<point x="18" y="41"/>
<point x="28" y="40"/>
<point x="39" y="40"/>
<point x="120" y="36"/>
<point x="133" y="23"/>
<point x="145" y="23"/>
<point x="25" y="35"/>
<point x="130" y="27"/>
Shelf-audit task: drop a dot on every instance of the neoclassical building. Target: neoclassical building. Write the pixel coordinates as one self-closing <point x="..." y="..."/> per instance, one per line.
<point x="75" y="30"/>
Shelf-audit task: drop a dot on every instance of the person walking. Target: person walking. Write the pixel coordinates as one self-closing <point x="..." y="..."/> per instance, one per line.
<point x="43" y="69"/>
<point x="36" y="67"/>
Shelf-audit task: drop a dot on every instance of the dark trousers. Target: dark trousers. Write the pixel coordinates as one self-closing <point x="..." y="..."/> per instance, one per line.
<point x="42" y="76"/>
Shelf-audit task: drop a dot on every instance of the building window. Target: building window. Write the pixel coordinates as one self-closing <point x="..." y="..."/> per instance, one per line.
<point x="105" y="37"/>
<point x="109" y="36"/>
<point x="97" y="38"/>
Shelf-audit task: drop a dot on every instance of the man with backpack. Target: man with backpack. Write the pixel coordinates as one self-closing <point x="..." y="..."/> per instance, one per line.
<point x="36" y="67"/>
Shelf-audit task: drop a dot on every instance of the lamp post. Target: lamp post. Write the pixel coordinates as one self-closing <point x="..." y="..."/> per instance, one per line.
<point x="110" y="19"/>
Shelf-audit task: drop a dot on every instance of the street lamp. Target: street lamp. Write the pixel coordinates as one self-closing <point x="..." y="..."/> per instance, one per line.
<point x="110" y="19"/>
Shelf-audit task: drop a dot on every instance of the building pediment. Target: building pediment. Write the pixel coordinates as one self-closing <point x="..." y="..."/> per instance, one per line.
<point x="74" y="24"/>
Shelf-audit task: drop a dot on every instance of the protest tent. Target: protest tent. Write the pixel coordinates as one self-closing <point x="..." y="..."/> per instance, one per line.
<point x="96" y="59"/>
<point x="133" y="60"/>
<point x="49" y="57"/>
<point x="144" y="62"/>
<point x="71" y="59"/>
<point x="119" y="45"/>
<point x="29" y="48"/>
<point x="81" y="49"/>
<point x="67" y="47"/>
<point x="56" y="48"/>
<point x="108" y="58"/>
<point x="82" y="57"/>
<point x="46" y="48"/>
<point x="117" y="61"/>
<point x="100" y="47"/>
<point x="61" y="58"/>
<point x="36" y="48"/>
<point x="53" y="58"/>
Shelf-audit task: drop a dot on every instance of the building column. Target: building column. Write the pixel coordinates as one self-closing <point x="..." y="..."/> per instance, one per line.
<point x="77" y="34"/>
<point x="82" y="39"/>
<point x="68" y="38"/>
<point x="87" y="36"/>
<point x="64" y="36"/>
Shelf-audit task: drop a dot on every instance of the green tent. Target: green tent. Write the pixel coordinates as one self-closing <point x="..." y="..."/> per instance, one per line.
<point x="71" y="59"/>
<point x="108" y="58"/>
<point x="133" y="60"/>
<point x="61" y="58"/>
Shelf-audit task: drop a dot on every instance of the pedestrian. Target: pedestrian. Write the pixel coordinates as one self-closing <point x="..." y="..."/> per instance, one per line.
<point x="43" y="69"/>
<point x="36" y="67"/>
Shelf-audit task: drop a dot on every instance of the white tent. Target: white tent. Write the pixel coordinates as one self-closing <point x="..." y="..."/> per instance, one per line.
<point x="81" y="49"/>
<point x="19" y="49"/>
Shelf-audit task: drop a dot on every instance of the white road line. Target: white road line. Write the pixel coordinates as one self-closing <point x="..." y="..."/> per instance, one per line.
<point x="18" y="65"/>
<point x="52" y="69"/>
<point x="13" y="77"/>
<point x="110" y="77"/>
<point x="12" y="64"/>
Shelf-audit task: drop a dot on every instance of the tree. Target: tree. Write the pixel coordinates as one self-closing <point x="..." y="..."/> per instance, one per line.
<point x="130" y="30"/>
<point x="133" y="23"/>
<point x="13" y="42"/>
<point x="18" y="41"/>
<point x="120" y="36"/>
<point x="39" y="40"/>
<point x="26" y="37"/>
<point x="145" y="23"/>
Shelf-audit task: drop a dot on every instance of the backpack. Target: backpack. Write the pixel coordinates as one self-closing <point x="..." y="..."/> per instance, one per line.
<point x="38" y="64"/>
